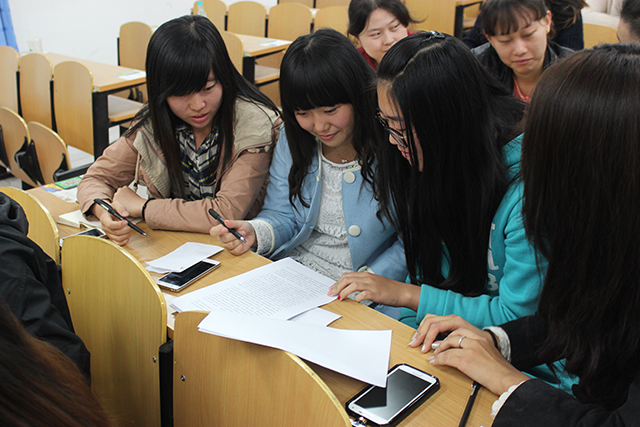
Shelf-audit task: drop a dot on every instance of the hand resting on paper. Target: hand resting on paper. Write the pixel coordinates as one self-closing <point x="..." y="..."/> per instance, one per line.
<point x="231" y="242"/>
<point x="117" y="231"/>
<point x="474" y="355"/>
<point x="377" y="289"/>
<point x="130" y="200"/>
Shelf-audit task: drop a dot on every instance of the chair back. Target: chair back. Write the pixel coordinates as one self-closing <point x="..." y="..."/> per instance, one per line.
<point x="244" y="384"/>
<point x="235" y="47"/>
<point x="52" y="151"/>
<point x="119" y="313"/>
<point x="132" y="51"/>
<point x="72" y="100"/>
<point x="9" y="61"/>
<point x="595" y="34"/>
<point x="15" y="135"/>
<point x="216" y="11"/>
<point x="36" y="74"/>
<point x="336" y="17"/>
<point x="42" y="228"/>
<point x="439" y="15"/>
<point x="247" y="17"/>
<point x="321" y="4"/>
<point x="288" y="21"/>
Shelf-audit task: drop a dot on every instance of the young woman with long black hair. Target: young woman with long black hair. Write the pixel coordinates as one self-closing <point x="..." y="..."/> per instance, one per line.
<point x="204" y="140"/>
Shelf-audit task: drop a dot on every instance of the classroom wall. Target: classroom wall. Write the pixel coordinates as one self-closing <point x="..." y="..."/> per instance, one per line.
<point x="88" y="29"/>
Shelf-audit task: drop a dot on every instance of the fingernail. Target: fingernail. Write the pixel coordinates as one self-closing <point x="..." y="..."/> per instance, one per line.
<point x="431" y="359"/>
<point x="339" y="298"/>
<point x="435" y="345"/>
<point x="424" y="347"/>
<point x="413" y="338"/>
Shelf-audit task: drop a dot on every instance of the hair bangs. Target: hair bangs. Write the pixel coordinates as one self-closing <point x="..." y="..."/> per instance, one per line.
<point x="312" y="87"/>
<point x="187" y="72"/>
<point x="502" y="17"/>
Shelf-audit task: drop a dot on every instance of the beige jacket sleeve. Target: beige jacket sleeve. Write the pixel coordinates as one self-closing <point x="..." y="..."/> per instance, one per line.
<point x="241" y="183"/>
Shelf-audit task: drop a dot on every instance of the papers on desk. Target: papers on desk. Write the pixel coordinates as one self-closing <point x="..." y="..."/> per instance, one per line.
<point x="183" y="257"/>
<point x="272" y="43"/>
<point x="76" y="219"/>
<point x="256" y="307"/>
<point x="363" y="355"/>
<point x="66" y="190"/>
<point x="131" y="75"/>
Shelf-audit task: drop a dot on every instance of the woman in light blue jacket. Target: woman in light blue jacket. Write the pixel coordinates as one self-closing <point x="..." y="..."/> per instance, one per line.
<point x="320" y="208"/>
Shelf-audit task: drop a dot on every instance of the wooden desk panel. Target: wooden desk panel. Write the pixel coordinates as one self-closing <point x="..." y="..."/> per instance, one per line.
<point x="442" y="409"/>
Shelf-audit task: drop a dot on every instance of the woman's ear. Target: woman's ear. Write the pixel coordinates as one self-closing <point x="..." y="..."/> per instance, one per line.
<point x="546" y="21"/>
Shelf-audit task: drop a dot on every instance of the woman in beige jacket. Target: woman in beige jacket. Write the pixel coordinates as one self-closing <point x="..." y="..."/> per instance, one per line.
<point x="204" y="140"/>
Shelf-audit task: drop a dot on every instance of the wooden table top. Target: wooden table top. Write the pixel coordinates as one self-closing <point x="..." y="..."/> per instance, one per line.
<point x="106" y="77"/>
<point x="444" y="408"/>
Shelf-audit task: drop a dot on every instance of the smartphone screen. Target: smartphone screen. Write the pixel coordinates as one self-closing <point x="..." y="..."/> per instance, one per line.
<point x="177" y="281"/>
<point x="95" y="232"/>
<point x="405" y="386"/>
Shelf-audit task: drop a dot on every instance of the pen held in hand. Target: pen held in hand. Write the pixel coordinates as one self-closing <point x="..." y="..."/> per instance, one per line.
<point x="107" y="207"/>
<point x="233" y="231"/>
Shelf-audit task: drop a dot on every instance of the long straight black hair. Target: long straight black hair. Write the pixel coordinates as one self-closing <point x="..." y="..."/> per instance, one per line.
<point x="581" y="173"/>
<point x="324" y="69"/>
<point x="462" y="118"/>
<point x="181" y="54"/>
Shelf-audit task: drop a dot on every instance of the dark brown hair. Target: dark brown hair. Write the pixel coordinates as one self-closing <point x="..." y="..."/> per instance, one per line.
<point x="581" y="172"/>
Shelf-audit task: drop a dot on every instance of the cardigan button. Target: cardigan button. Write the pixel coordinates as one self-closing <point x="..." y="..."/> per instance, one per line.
<point x="354" y="231"/>
<point x="349" y="177"/>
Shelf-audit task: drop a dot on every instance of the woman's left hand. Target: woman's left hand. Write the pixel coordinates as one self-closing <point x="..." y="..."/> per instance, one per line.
<point x="377" y="289"/>
<point x="472" y="351"/>
<point x="130" y="200"/>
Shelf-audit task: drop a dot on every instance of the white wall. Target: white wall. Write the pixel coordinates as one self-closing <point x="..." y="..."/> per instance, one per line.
<point x="88" y="29"/>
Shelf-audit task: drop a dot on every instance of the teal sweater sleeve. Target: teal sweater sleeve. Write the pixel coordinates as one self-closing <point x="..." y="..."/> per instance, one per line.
<point x="514" y="280"/>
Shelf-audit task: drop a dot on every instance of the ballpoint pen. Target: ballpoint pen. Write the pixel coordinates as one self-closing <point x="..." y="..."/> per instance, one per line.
<point x="472" y="398"/>
<point x="107" y="207"/>
<point x="233" y="231"/>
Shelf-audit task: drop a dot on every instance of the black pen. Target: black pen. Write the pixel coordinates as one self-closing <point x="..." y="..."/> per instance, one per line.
<point x="467" y="411"/>
<point x="233" y="231"/>
<point x="107" y="207"/>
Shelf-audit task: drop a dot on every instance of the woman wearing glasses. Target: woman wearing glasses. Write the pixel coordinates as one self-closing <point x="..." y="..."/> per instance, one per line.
<point x="448" y="181"/>
<point x="319" y="207"/>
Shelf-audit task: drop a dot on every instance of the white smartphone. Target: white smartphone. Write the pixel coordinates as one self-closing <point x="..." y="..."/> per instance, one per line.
<point x="95" y="232"/>
<point x="406" y="388"/>
<point x="177" y="281"/>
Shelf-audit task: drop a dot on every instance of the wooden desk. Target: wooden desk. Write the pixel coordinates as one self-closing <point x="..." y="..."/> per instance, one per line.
<point x="106" y="80"/>
<point x="443" y="409"/>
<point x="258" y="47"/>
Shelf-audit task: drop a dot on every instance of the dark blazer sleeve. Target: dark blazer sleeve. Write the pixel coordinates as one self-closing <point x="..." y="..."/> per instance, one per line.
<point x="526" y="335"/>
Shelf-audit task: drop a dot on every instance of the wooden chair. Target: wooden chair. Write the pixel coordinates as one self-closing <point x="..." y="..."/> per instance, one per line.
<point x="52" y="151"/>
<point x="336" y="17"/>
<point x="9" y="61"/>
<point x="439" y="15"/>
<point x="36" y="74"/>
<point x="120" y="314"/>
<point x="216" y="11"/>
<point x="73" y="104"/>
<point x="247" y="17"/>
<point x="15" y="135"/>
<point x="224" y="382"/>
<point x="288" y="21"/>
<point x="595" y="34"/>
<point x="308" y="3"/>
<point x="321" y="4"/>
<point x="42" y="228"/>
<point x="132" y="52"/>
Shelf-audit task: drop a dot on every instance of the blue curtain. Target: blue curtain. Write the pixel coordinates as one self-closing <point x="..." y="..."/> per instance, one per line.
<point x="7" y="36"/>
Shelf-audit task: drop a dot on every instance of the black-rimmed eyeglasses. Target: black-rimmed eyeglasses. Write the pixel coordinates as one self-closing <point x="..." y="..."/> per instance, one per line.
<point x="397" y="135"/>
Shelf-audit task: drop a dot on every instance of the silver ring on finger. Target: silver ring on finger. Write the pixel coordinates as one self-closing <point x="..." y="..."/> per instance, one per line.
<point x="460" y="341"/>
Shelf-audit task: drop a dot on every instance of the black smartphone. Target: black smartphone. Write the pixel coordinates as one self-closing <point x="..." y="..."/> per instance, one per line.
<point x="406" y="388"/>
<point x="177" y="281"/>
<point x="95" y="232"/>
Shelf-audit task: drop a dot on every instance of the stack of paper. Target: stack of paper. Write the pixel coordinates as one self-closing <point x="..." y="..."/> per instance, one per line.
<point x="76" y="219"/>
<point x="256" y="307"/>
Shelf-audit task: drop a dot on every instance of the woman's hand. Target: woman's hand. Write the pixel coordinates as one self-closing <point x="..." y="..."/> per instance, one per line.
<point x="231" y="242"/>
<point x="117" y="231"/>
<point x="469" y="349"/>
<point x="377" y="289"/>
<point x="130" y="200"/>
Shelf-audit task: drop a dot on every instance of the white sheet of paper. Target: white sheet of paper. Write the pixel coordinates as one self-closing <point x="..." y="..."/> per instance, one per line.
<point x="280" y="290"/>
<point x="316" y="316"/>
<point x="183" y="257"/>
<point x="363" y="355"/>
